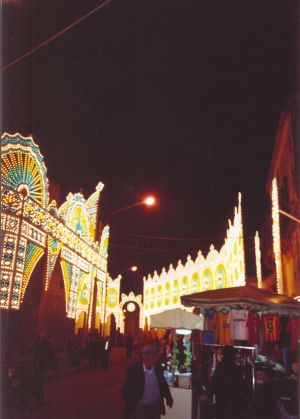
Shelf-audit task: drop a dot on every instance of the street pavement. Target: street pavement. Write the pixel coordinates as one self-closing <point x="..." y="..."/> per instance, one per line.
<point x="83" y="393"/>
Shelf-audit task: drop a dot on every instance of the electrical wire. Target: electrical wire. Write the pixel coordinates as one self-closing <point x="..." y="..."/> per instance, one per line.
<point x="151" y="249"/>
<point x="167" y="238"/>
<point x="57" y="35"/>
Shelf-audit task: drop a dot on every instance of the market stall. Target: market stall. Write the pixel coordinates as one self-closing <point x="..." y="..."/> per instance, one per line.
<point x="179" y="368"/>
<point x="263" y="327"/>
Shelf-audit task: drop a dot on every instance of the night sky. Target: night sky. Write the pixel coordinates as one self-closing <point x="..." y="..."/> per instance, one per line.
<point x="178" y="98"/>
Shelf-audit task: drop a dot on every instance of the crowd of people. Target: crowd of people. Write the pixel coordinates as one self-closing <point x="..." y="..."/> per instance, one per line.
<point x="145" y="389"/>
<point x="229" y="392"/>
<point x="92" y="346"/>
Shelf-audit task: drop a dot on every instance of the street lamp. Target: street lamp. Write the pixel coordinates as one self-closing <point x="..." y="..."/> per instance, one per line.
<point x="148" y="201"/>
<point x="131" y="268"/>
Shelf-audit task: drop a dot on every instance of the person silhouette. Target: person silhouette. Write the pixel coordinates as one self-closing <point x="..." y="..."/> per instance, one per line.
<point x="227" y="385"/>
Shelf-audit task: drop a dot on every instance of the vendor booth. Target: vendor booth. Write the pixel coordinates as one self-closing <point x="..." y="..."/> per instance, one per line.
<point x="263" y="329"/>
<point x="178" y="367"/>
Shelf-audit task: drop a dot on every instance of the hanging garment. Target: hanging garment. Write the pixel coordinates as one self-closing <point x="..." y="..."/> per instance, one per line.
<point x="209" y="333"/>
<point x="253" y="324"/>
<point x="271" y="327"/>
<point x="209" y="319"/>
<point x="293" y="327"/>
<point x="238" y="320"/>
<point x="223" y="328"/>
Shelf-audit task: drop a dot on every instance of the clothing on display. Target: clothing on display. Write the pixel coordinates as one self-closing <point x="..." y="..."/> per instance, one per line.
<point x="209" y="337"/>
<point x="209" y="319"/>
<point x="293" y="327"/>
<point x="271" y="327"/>
<point x="253" y="325"/>
<point x="223" y="328"/>
<point x="238" y="320"/>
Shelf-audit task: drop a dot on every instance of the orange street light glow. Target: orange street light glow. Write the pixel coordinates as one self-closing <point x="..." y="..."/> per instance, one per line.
<point x="150" y="200"/>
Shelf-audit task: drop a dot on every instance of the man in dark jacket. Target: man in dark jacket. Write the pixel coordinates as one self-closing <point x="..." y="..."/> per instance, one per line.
<point x="145" y="387"/>
<point x="227" y="385"/>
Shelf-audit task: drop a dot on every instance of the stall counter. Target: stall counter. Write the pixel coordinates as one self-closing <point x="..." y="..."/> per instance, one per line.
<point x="182" y="407"/>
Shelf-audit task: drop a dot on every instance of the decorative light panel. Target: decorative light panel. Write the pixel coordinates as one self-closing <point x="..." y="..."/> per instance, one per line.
<point x="258" y="259"/>
<point x="53" y="249"/>
<point x="276" y="236"/>
<point x="29" y="225"/>
<point x="33" y="255"/>
<point x="22" y="163"/>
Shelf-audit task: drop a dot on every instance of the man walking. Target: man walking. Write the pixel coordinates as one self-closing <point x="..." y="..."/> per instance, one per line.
<point x="145" y="387"/>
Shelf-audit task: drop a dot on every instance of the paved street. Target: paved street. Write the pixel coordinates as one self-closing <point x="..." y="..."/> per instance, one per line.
<point x="85" y="394"/>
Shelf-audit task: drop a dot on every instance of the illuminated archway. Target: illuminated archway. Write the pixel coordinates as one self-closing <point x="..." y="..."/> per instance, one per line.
<point x="195" y="283"/>
<point x="220" y="277"/>
<point x="207" y="280"/>
<point x="131" y="297"/>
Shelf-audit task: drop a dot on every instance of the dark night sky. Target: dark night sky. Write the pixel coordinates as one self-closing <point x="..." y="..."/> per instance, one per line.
<point x="180" y="98"/>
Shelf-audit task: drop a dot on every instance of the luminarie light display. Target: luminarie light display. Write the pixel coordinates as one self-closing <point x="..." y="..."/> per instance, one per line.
<point x="220" y="269"/>
<point x="31" y="227"/>
<point x="276" y="236"/>
<point x="258" y="259"/>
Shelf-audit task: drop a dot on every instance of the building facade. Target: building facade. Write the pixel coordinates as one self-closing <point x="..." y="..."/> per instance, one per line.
<point x="281" y="232"/>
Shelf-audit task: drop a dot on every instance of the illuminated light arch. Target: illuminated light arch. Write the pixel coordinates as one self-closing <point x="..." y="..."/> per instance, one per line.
<point x="112" y="298"/>
<point x="23" y="164"/>
<point x="82" y="301"/>
<point x="84" y="294"/>
<point x="195" y="283"/>
<point x="175" y="291"/>
<point x="104" y="242"/>
<point x="131" y="297"/>
<point x="168" y="293"/>
<point x="152" y="297"/>
<point x="67" y="275"/>
<point x="99" y="294"/>
<point x="81" y="319"/>
<point x="53" y="249"/>
<point x="33" y="255"/>
<point x="75" y="214"/>
<point x="84" y="290"/>
<point x="146" y="302"/>
<point x="92" y="205"/>
<point x="220" y="277"/>
<point x="184" y="286"/>
<point x="207" y="280"/>
<point x="73" y="292"/>
<point x="159" y="295"/>
<point x="29" y="223"/>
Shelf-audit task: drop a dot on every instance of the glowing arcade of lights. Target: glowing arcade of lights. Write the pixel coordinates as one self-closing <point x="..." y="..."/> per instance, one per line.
<point x="31" y="227"/>
<point x="220" y="269"/>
